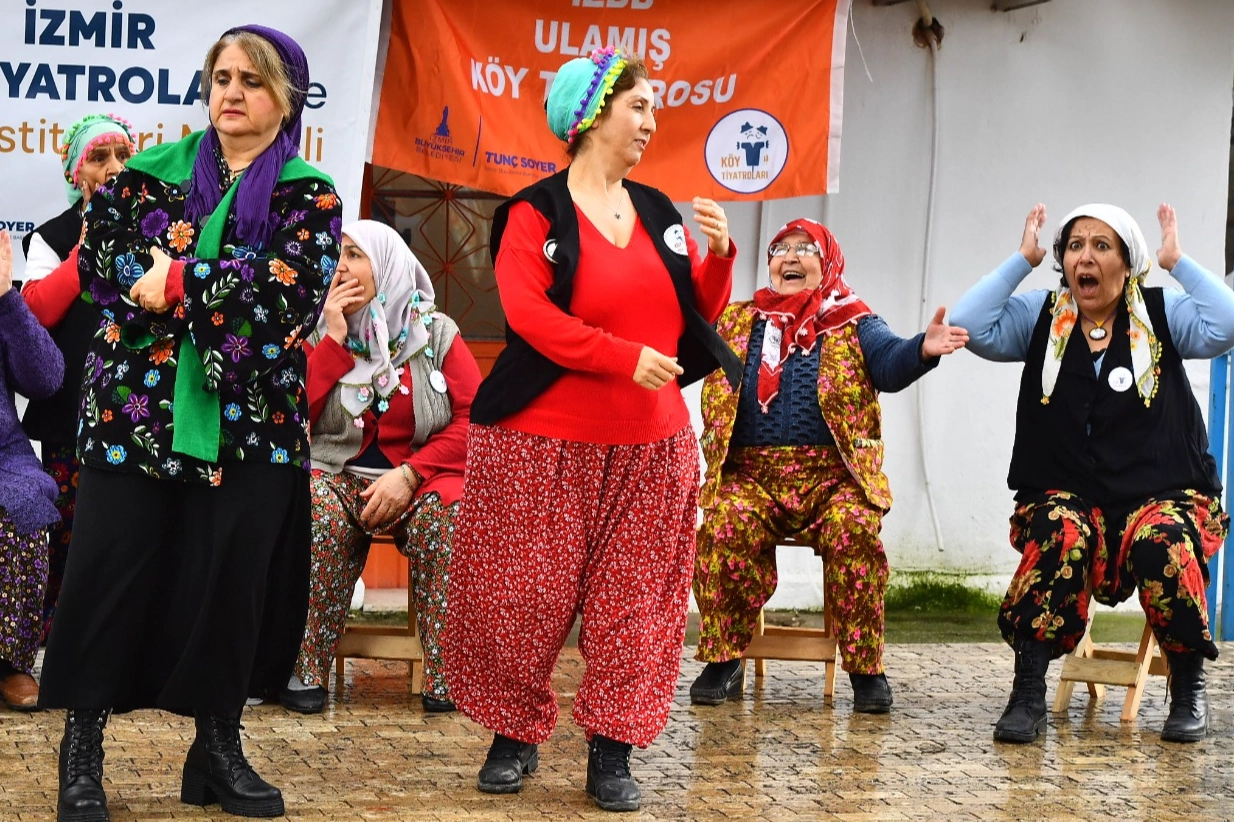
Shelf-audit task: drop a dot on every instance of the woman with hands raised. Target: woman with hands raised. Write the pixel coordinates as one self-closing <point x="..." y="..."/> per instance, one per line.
<point x="1115" y="490"/>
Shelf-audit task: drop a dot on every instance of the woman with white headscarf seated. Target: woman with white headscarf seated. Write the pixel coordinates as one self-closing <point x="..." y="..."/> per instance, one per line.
<point x="1115" y="490"/>
<point x="390" y="385"/>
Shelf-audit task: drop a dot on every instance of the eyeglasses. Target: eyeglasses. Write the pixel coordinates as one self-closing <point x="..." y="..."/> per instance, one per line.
<point x="801" y="249"/>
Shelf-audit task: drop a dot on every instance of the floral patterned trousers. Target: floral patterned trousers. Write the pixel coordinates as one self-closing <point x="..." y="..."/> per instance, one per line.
<point x="766" y="495"/>
<point x="23" y="575"/>
<point x="552" y="529"/>
<point x="1070" y="548"/>
<point x="340" y="549"/>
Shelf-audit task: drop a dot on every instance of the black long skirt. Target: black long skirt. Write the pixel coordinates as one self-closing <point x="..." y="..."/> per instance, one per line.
<point x="179" y="596"/>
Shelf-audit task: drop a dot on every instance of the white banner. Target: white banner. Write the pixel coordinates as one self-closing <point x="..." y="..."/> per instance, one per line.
<point x="141" y="60"/>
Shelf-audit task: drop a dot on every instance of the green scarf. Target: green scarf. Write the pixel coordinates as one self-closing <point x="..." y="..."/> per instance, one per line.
<point x="196" y="411"/>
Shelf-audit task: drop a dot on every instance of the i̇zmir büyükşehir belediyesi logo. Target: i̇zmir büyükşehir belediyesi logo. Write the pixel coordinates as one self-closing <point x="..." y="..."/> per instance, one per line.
<point x="746" y="150"/>
<point x="440" y="144"/>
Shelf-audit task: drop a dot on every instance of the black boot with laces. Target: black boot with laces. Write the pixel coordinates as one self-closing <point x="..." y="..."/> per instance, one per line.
<point x="81" y="768"/>
<point x="216" y="770"/>
<point x="1024" y="718"/>
<point x="1188" y="719"/>
<point x="608" y="775"/>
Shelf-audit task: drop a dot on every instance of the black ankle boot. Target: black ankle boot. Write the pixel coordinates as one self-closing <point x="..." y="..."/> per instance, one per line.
<point x="216" y="771"/>
<point x="507" y="761"/>
<point x="718" y="683"/>
<point x="871" y="693"/>
<point x="1024" y="718"/>
<point x="1188" y="719"/>
<point x="608" y="775"/>
<point x="81" y="768"/>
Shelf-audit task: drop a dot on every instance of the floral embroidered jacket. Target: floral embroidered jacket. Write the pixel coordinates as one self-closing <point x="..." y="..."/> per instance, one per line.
<point x="846" y="396"/>
<point x="248" y="313"/>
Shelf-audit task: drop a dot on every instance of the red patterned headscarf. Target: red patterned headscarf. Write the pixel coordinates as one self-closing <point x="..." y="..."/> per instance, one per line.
<point x="796" y="321"/>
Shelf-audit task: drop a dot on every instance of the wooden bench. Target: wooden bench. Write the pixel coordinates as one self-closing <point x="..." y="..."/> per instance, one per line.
<point x="1097" y="667"/>
<point x="803" y="644"/>
<point x="384" y="641"/>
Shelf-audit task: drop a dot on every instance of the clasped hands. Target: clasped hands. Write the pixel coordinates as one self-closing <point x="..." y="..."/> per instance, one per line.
<point x="387" y="498"/>
<point x="150" y="290"/>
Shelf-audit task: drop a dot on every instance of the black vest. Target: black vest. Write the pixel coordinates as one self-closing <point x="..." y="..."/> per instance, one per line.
<point x="54" y="420"/>
<point x="1132" y="452"/>
<point x="521" y="373"/>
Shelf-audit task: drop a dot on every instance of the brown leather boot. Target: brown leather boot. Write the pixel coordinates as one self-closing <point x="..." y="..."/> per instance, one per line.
<point x="20" y="691"/>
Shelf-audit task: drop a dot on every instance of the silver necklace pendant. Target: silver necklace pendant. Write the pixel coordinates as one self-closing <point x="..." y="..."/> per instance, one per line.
<point x="1096" y="333"/>
<point x="617" y="214"/>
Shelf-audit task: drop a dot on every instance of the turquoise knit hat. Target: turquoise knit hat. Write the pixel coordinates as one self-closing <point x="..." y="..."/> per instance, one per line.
<point x="579" y="91"/>
<point x="84" y="135"/>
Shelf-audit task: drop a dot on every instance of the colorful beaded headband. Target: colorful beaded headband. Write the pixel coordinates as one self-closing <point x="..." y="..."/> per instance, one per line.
<point x="81" y="138"/>
<point x="579" y="91"/>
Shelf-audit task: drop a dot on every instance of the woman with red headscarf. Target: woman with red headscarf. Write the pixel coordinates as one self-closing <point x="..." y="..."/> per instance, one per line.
<point x="797" y="451"/>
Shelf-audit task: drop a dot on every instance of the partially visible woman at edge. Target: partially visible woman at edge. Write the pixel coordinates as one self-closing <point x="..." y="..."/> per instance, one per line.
<point x="582" y="467"/>
<point x="31" y="364"/>
<point x="194" y="496"/>
<point x="95" y="149"/>
<point x="390" y="385"/>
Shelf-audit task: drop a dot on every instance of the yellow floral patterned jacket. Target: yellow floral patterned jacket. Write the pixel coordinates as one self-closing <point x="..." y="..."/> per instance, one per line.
<point x="846" y="396"/>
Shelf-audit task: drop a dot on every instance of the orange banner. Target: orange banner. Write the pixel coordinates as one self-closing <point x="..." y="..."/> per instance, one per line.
<point x="748" y="95"/>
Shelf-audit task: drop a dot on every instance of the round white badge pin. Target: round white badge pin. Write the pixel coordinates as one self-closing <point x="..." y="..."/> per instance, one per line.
<point x="1121" y="379"/>
<point x="675" y="239"/>
<point x="438" y="381"/>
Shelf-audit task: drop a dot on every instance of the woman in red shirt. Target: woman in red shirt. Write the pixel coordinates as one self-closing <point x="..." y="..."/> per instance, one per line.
<point x="582" y="468"/>
<point x="390" y="384"/>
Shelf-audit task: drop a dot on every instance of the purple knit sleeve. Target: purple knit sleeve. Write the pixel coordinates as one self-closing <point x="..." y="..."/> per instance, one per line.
<point x="32" y="361"/>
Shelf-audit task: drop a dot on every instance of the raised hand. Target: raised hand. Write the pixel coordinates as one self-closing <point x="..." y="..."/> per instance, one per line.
<point x="1030" y="243"/>
<point x="6" y="263"/>
<point x="940" y="338"/>
<point x="1170" y="252"/>
<point x="342" y="295"/>
<point x="714" y="223"/>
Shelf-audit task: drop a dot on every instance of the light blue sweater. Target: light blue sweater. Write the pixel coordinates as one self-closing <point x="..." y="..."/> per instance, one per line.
<point x="1000" y="323"/>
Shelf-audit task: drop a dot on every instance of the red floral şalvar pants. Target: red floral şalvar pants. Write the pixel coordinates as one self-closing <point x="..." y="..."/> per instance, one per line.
<point x="770" y="493"/>
<point x="340" y="549"/>
<point x="553" y="528"/>
<point x="1069" y="547"/>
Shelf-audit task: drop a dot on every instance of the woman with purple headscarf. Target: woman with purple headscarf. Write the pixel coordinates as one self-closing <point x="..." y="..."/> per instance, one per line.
<point x="187" y="582"/>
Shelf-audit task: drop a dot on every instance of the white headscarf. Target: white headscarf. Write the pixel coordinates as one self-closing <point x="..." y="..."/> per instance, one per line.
<point x="1145" y="348"/>
<point x="392" y="328"/>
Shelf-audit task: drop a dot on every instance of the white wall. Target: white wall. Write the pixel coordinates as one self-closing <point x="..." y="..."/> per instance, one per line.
<point x="1067" y="102"/>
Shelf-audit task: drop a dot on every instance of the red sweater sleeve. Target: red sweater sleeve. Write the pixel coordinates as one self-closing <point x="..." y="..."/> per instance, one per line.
<point x="328" y="363"/>
<point x="446" y="451"/>
<point x="713" y="279"/>
<point x="49" y="298"/>
<point x="523" y="278"/>
<point x="173" y="288"/>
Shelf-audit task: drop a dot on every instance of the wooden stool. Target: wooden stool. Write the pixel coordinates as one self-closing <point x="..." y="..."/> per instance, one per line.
<point x="805" y="644"/>
<point x="384" y="642"/>
<point x="1098" y="667"/>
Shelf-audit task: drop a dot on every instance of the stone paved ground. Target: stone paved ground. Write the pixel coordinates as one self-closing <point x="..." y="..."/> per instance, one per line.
<point x="781" y="754"/>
